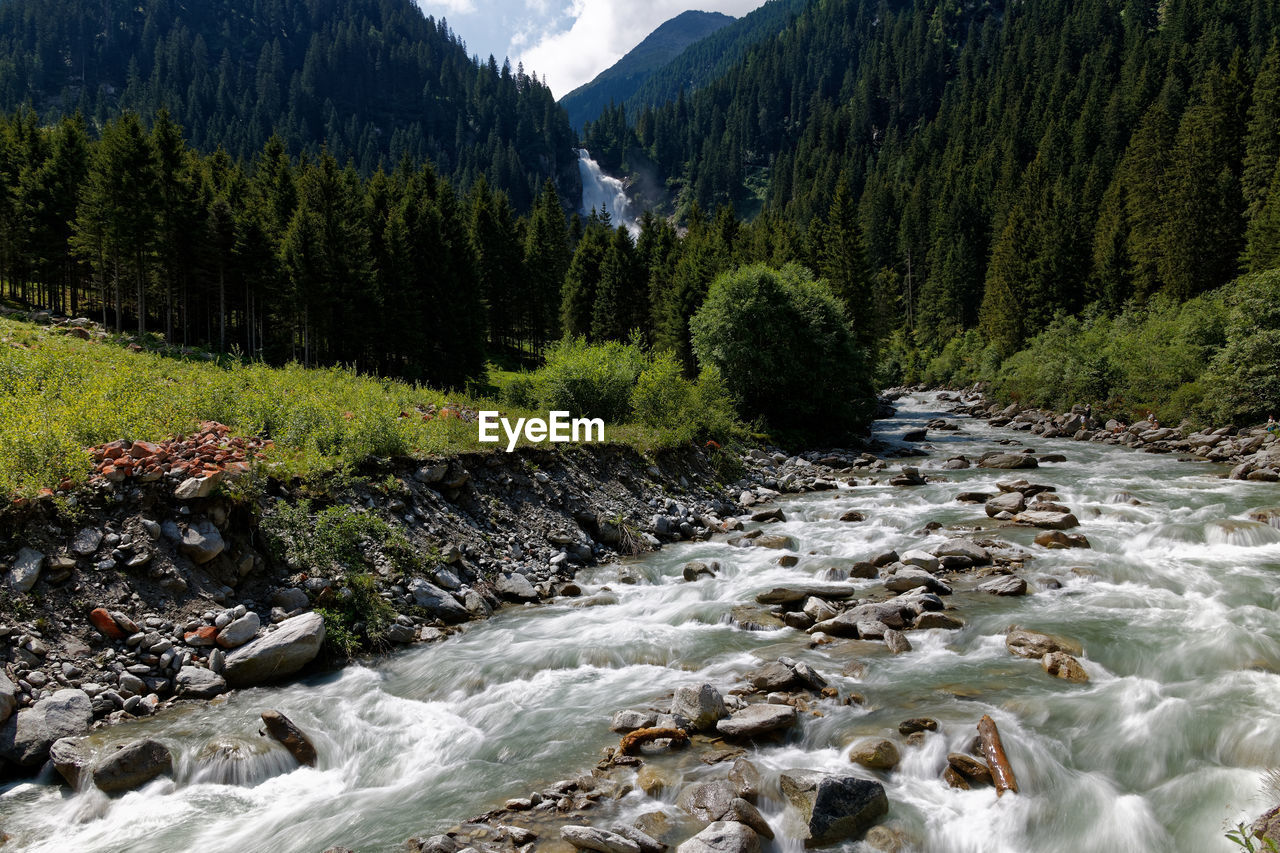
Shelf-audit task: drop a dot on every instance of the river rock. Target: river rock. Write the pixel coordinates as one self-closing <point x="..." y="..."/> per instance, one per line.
<point x="745" y="813"/>
<point x="8" y="698"/>
<point x="771" y="677"/>
<point x="132" y="766"/>
<point x="197" y="487"/>
<point x="793" y="594"/>
<point x="745" y="778"/>
<point x="629" y="721"/>
<point x="775" y="541"/>
<point x="819" y="609"/>
<point x="73" y="760"/>
<point x="750" y="618"/>
<point x="834" y="808"/>
<point x="1010" y="502"/>
<point x="1008" y="461"/>
<point x="707" y="801"/>
<point x="876" y="753"/>
<point x="438" y="603"/>
<point x="239" y="631"/>
<point x="702" y="705"/>
<point x="896" y="641"/>
<point x="202" y="542"/>
<point x="195" y="682"/>
<point x="1064" y="666"/>
<point x="646" y="842"/>
<point x="966" y="548"/>
<point x="933" y="619"/>
<point x="910" y="577"/>
<point x="1005" y="585"/>
<point x="755" y="720"/>
<point x="966" y="771"/>
<point x="514" y="586"/>
<point x="291" y="737"/>
<point x="293" y="645"/>
<point x="847" y="624"/>
<point x="695" y="569"/>
<point x="723" y="836"/>
<point x="920" y="559"/>
<point x="26" y="570"/>
<point x="25" y="739"/>
<point x="1057" y="539"/>
<point x="1033" y="644"/>
<point x="1047" y="519"/>
<point x="1267" y="827"/>
<point x="600" y="840"/>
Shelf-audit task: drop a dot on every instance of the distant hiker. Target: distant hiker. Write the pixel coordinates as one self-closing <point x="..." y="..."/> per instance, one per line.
<point x="1272" y="426"/>
<point x="1088" y="412"/>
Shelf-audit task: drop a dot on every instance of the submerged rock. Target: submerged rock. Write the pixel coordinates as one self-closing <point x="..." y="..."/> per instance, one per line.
<point x="755" y="720"/>
<point x="132" y="766"/>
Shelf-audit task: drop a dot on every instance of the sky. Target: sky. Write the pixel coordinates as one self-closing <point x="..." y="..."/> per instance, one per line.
<point x="567" y="41"/>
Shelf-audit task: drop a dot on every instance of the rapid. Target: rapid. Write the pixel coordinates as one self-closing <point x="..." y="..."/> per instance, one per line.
<point x="1165" y="747"/>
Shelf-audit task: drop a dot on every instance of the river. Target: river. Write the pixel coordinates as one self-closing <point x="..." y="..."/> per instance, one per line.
<point x="1165" y="746"/>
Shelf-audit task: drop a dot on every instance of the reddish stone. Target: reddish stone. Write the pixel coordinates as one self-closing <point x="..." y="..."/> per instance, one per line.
<point x="46" y="493"/>
<point x="201" y="636"/>
<point x="143" y="449"/>
<point x="112" y="452"/>
<point x="106" y="626"/>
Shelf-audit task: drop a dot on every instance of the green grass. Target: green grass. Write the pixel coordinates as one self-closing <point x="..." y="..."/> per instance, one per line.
<point x="60" y="395"/>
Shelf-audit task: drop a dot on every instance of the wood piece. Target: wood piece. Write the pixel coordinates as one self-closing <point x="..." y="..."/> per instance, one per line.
<point x="993" y="749"/>
<point x="634" y="740"/>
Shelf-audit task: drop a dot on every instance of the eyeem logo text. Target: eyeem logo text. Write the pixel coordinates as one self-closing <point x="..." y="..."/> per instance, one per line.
<point x="559" y="428"/>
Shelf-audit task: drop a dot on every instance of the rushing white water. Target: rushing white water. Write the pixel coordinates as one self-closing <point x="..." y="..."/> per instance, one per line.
<point x="605" y="194"/>
<point x="1166" y="745"/>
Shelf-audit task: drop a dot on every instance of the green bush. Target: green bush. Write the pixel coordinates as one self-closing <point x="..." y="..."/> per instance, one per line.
<point x="787" y="352"/>
<point x="591" y="380"/>
<point x="1246" y="371"/>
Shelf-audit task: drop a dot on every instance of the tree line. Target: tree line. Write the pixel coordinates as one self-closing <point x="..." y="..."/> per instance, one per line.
<point x="1005" y="161"/>
<point x="373" y="81"/>
<point x="305" y="259"/>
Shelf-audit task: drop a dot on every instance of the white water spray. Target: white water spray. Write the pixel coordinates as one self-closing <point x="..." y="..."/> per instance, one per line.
<point x="605" y="193"/>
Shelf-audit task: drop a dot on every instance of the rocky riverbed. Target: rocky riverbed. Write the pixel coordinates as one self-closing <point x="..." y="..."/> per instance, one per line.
<point x="828" y="650"/>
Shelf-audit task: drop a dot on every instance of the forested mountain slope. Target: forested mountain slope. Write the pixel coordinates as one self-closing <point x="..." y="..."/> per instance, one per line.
<point x="1008" y="161"/>
<point x="373" y="80"/>
<point x="621" y="80"/>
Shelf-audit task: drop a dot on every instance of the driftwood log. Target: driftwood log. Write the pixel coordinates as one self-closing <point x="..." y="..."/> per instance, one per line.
<point x="993" y="749"/>
<point x="634" y="740"/>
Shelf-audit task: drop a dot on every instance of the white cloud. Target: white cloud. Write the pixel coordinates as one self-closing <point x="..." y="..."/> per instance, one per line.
<point x="594" y="34"/>
<point x="447" y="7"/>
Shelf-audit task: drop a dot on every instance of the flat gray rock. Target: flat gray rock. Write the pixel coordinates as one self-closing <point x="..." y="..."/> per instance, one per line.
<point x="293" y="645"/>
<point x="756" y="720"/>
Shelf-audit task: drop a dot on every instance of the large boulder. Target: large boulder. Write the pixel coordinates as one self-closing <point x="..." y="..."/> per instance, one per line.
<point x="755" y="720"/>
<point x="25" y="739"/>
<point x="195" y="682"/>
<point x="834" y="808"/>
<point x="293" y="645"/>
<point x="1004" y="585"/>
<point x="964" y="548"/>
<point x="1010" y="502"/>
<point x="438" y="603"/>
<point x="702" y="705"/>
<point x="132" y="766"/>
<point x="723" y="836"/>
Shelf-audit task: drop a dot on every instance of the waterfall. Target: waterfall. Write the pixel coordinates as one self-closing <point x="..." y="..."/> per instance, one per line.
<point x="601" y="192"/>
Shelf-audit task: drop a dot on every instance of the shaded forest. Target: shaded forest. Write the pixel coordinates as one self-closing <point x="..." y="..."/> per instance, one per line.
<point x="373" y="81"/>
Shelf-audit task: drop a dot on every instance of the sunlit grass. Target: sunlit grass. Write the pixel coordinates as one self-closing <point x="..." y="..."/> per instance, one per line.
<point x="60" y="395"/>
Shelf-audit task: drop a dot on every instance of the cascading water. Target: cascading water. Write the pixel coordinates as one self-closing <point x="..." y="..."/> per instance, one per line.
<point x="1167" y="743"/>
<point x="605" y="194"/>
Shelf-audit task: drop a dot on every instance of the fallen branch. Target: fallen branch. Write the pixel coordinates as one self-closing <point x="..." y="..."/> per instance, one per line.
<point x="993" y="749"/>
<point x="634" y="740"/>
